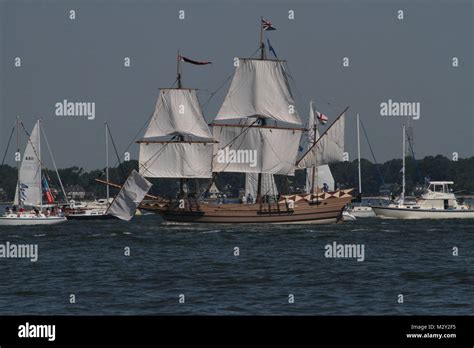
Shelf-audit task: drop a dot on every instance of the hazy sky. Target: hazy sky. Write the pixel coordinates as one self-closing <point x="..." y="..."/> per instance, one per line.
<point x="82" y="60"/>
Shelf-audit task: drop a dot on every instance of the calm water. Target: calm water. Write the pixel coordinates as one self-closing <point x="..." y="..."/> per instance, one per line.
<point x="413" y="258"/>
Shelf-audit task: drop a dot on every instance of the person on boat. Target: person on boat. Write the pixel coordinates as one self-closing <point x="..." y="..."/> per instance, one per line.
<point x="48" y="212"/>
<point x="36" y="212"/>
<point x="14" y="209"/>
<point x="325" y="187"/>
<point x="7" y="210"/>
<point x="244" y="199"/>
<point x="60" y="212"/>
<point x="249" y="198"/>
<point x="21" y="210"/>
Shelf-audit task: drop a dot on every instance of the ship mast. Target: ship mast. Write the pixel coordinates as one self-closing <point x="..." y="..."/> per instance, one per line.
<point x="358" y="156"/>
<point x="403" y="168"/>
<point x="182" y="181"/>
<point x="262" y="119"/>
<point x="18" y="162"/>
<point x="314" y="168"/>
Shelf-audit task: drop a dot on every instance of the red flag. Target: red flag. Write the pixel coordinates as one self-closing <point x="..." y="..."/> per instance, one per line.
<point x="195" y="62"/>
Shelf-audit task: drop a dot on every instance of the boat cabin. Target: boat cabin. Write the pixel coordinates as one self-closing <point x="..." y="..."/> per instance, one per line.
<point x="441" y="186"/>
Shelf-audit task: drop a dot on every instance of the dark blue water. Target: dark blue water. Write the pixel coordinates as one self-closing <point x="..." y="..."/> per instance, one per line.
<point x="413" y="258"/>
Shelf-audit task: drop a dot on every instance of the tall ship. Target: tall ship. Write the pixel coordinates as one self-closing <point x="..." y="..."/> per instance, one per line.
<point x="257" y="131"/>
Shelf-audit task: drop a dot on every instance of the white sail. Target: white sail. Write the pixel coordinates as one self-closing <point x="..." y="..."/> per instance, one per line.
<point x="322" y="176"/>
<point x="259" y="88"/>
<point x="176" y="160"/>
<point x="268" y="186"/>
<point x="129" y="197"/>
<point x="329" y="147"/>
<point x="177" y="112"/>
<point x="177" y="142"/>
<point x="29" y="180"/>
<point x="255" y="149"/>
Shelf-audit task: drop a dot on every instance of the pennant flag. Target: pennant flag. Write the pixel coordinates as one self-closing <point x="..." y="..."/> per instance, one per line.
<point x="23" y="186"/>
<point x="195" y="62"/>
<point x="270" y="48"/>
<point x="323" y="119"/>
<point x="267" y="25"/>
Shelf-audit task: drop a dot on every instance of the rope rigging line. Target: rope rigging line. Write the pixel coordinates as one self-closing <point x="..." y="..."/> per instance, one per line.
<point x="372" y="152"/>
<point x="8" y="145"/>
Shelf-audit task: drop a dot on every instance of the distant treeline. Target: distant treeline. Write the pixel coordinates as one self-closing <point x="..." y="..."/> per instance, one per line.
<point x="345" y="174"/>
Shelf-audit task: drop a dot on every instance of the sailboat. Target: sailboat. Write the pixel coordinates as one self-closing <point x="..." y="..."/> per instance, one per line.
<point x="438" y="201"/>
<point x="29" y="208"/>
<point x="95" y="210"/>
<point x="360" y="210"/>
<point x="256" y="131"/>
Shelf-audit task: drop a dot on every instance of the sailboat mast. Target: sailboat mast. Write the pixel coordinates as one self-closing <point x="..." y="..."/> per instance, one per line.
<point x="40" y="164"/>
<point x="18" y="162"/>
<point x="178" y="70"/>
<point x="107" y="159"/>
<point x="403" y="167"/>
<point x="314" y="168"/>
<point x="262" y="45"/>
<point x="358" y="155"/>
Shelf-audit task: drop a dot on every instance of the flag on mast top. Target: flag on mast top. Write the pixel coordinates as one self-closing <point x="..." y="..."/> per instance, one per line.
<point x="267" y="25"/>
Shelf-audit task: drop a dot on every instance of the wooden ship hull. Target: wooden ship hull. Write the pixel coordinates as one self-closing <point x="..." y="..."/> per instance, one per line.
<point x="326" y="208"/>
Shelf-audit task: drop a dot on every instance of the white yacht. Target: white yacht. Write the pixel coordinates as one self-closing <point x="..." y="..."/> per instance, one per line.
<point x="29" y="206"/>
<point x="437" y="202"/>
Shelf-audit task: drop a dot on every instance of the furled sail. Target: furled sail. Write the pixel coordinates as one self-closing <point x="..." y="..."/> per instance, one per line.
<point x="129" y="197"/>
<point x="177" y="142"/>
<point x="268" y="186"/>
<point x="259" y="88"/>
<point x="29" y="191"/>
<point x="329" y="147"/>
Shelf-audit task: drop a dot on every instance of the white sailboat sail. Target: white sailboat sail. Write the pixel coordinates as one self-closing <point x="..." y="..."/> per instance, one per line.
<point x="329" y="147"/>
<point x="129" y="197"/>
<point x="255" y="150"/>
<point x="259" y="90"/>
<point x="176" y="160"/>
<point x="29" y="181"/>
<point x="322" y="176"/>
<point x="177" y="111"/>
<point x="177" y="142"/>
<point x="268" y="186"/>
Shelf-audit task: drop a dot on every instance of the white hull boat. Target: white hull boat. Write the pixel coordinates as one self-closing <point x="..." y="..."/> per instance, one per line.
<point x="361" y="211"/>
<point x="416" y="213"/>
<point x="438" y="202"/>
<point x="30" y="219"/>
